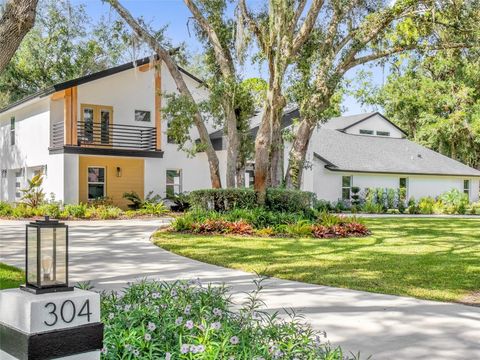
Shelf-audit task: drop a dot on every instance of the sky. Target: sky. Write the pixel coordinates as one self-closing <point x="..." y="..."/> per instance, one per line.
<point x="176" y="15"/>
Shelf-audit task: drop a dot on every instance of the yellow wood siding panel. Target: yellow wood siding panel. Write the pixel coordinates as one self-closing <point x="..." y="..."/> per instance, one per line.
<point x="131" y="179"/>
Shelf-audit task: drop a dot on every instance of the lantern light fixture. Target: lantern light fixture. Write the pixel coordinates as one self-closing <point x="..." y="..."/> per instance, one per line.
<point x="46" y="260"/>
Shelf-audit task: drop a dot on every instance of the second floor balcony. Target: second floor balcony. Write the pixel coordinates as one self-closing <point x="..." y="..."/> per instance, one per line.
<point x="101" y="138"/>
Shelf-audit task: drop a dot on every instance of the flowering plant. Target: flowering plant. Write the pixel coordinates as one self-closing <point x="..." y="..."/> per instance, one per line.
<point x="188" y="320"/>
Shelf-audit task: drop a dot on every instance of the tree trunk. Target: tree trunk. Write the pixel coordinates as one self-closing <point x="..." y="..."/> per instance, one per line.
<point x="240" y="175"/>
<point x="262" y="146"/>
<point x="233" y="145"/>
<point x="181" y="86"/>
<point x="298" y="152"/>
<point x="17" y="18"/>
<point x="276" y="154"/>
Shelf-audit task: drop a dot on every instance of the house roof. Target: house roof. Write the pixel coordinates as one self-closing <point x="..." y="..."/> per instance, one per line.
<point x="371" y="154"/>
<point x="88" y="78"/>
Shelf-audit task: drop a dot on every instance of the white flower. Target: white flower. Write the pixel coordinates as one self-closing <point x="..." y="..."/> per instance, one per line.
<point x="234" y="340"/>
<point x="217" y="312"/>
<point x="155" y="295"/>
<point x="168" y="356"/>
<point x="127" y="307"/>
<point x="179" y="321"/>
<point x="189" y="324"/>
<point x="151" y="326"/>
<point x="216" y="325"/>
<point x="104" y="350"/>
<point x="136" y="352"/>
<point x="185" y="348"/>
<point x="148" y="337"/>
<point x="111" y="316"/>
<point x="187" y="310"/>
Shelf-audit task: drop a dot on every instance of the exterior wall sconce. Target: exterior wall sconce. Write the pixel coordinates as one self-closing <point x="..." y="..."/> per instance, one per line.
<point x="119" y="171"/>
<point x="46" y="263"/>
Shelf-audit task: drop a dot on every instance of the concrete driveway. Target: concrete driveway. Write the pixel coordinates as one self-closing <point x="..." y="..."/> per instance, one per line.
<point x="112" y="253"/>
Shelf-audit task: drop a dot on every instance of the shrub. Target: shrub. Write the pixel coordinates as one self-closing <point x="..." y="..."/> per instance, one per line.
<point x="222" y="227"/>
<point x="425" y="205"/>
<point x="22" y="211"/>
<point x="135" y="201"/>
<point x="101" y="201"/>
<point x="182" y="202"/>
<point x="223" y="199"/>
<point x="343" y="230"/>
<point x="302" y="228"/>
<point x="188" y="320"/>
<point x="74" y="211"/>
<point x="52" y="210"/>
<point x="372" y="208"/>
<point x="104" y="212"/>
<point x="5" y="209"/>
<point x="289" y="200"/>
<point x="150" y="208"/>
<point x="393" y="211"/>
<point x="323" y="206"/>
<point x="455" y="202"/>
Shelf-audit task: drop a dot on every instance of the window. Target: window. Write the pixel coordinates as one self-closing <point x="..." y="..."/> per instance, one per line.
<point x="141" y="115"/>
<point x="174" y="182"/>
<point x="383" y="133"/>
<point x="19" y="177"/>
<point x="88" y="124"/>
<point x="466" y="187"/>
<point x="250" y="178"/>
<point x="366" y="132"/>
<point x="4" y="173"/>
<point x="12" y="130"/>
<point x="96" y="182"/>
<point x="346" y="187"/>
<point x="105" y="126"/>
<point x="403" y="185"/>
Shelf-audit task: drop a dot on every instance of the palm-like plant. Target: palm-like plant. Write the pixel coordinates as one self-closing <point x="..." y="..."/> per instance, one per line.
<point x="33" y="195"/>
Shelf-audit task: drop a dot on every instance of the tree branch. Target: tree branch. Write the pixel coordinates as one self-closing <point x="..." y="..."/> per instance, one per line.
<point x="16" y="21"/>
<point x="254" y="28"/>
<point x="307" y="25"/>
<point x="179" y="82"/>
<point x="223" y="56"/>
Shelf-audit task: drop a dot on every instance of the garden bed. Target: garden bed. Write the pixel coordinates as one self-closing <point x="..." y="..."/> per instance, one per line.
<point x="263" y="223"/>
<point x="428" y="258"/>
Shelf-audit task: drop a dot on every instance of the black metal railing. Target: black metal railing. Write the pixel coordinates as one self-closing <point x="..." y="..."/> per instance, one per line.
<point x="108" y="136"/>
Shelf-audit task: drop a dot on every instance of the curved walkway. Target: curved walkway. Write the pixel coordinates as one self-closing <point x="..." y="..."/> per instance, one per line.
<point x="112" y="253"/>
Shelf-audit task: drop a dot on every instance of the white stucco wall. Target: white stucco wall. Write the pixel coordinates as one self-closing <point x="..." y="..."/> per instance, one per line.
<point x="375" y="123"/>
<point x="71" y="178"/>
<point x="30" y="152"/>
<point x="328" y="184"/>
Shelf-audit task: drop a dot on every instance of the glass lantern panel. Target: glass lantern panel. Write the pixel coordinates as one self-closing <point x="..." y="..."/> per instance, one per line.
<point x="32" y="276"/>
<point x="53" y="256"/>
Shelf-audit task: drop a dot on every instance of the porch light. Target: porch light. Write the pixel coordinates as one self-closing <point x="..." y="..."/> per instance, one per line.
<point x="46" y="263"/>
<point x="119" y="171"/>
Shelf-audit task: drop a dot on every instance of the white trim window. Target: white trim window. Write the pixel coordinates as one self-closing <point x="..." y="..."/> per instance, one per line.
<point x="173" y="182"/>
<point x="12" y="130"/>
<point x="96" y="182"/>
<point x="346" y="187"/>
<point x="466" y="187"/>
<point x="403" y="184"/>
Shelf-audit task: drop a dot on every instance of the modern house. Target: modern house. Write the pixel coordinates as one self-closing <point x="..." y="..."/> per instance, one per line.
<point x="103" y="135"/>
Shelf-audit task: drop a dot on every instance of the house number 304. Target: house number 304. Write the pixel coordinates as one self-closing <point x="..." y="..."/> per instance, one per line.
<point x="66" y="312"/>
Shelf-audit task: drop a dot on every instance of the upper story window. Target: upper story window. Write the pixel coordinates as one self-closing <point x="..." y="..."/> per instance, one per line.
<point x="383" y="133"/>
<point x="141" y="115"/>
<point x="346" y="187"/>
<point x="466" y="187"/>
<point x="12" y="130"/>
<point x="366" y="132"/>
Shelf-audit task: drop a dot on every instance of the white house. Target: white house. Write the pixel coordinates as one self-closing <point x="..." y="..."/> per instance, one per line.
<point x="103" y="135"/>
<point x="369" y="151"/>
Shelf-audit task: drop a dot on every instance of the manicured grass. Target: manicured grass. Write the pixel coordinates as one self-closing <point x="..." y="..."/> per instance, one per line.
<point x="436" y="259"/>
<point x="10" y="277"/>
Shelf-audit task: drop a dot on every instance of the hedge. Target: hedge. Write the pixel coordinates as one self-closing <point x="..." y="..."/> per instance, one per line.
<point x="277" y="199"/>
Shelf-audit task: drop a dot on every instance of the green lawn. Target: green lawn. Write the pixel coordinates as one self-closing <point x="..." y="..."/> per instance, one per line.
<point x="10" y="277"/>
<point x="436" y="259"/>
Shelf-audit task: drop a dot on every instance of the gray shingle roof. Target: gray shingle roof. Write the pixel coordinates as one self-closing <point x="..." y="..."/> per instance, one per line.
<point x="373" y="154"/>
<point x="342" y="122"/>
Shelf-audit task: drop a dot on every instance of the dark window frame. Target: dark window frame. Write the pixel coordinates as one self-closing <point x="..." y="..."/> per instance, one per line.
<point x="366" y="132"/>
<point x="12" y="131"/>
<point x="383" y="133"/>
<point x="104" y="182"/>
<point x="146" y="113"/>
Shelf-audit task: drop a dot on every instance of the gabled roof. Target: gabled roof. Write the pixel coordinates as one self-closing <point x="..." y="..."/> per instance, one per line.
<point x="88" y="78"/>
<point x="371" y="154"/>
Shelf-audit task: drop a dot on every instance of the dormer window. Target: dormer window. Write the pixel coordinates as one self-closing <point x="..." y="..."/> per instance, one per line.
<point x="383" y="133"/>
<point x="366" y="132"/>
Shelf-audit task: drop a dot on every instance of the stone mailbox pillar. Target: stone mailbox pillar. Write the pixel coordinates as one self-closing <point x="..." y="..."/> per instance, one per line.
<point x="60" y="325"/>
